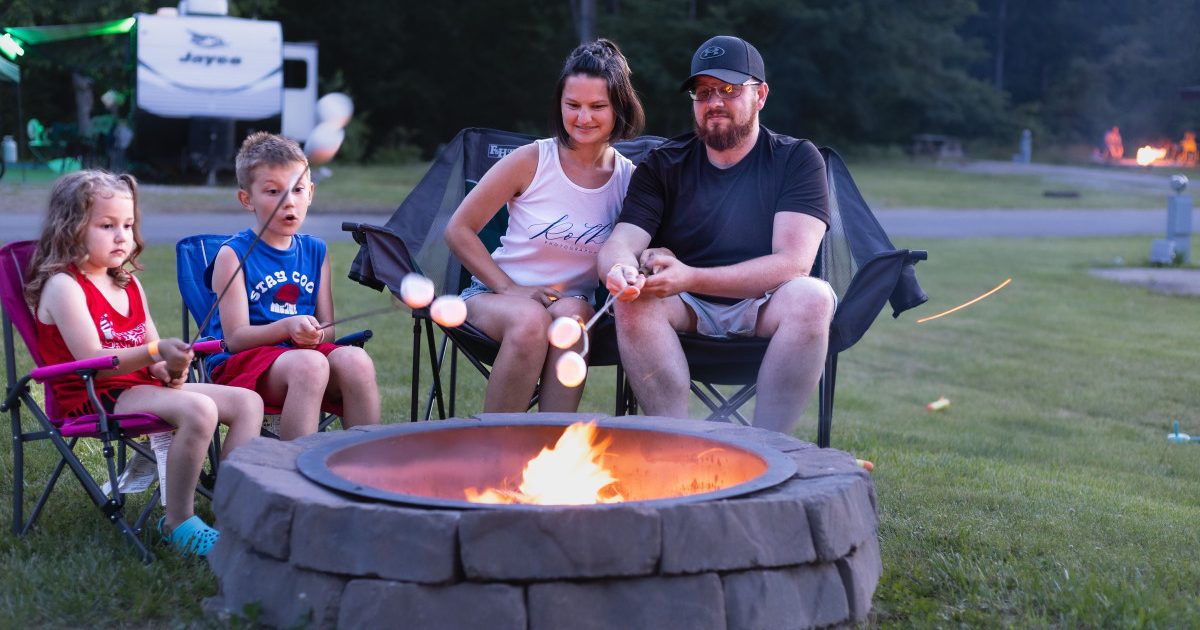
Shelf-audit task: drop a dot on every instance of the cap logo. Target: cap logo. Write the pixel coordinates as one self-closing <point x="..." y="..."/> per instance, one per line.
<point x="712" y="52"/>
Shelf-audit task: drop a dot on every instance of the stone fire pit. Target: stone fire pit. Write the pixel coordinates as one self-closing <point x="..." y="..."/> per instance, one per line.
<point x="803" y="553"/>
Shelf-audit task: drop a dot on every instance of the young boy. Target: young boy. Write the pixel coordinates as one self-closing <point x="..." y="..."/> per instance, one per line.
<point x="288" y="297"/>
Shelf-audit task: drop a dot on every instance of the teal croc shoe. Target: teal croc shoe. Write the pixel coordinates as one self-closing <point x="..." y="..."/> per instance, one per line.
<point x="193" y="537"/>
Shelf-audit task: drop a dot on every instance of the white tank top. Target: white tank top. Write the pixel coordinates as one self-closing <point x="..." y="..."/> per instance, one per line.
<point x="556" y="228"/>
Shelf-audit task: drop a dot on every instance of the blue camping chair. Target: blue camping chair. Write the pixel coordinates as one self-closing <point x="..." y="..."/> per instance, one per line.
<point x="194" y="257"/>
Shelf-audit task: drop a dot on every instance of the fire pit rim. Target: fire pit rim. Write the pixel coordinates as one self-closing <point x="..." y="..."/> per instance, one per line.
<point x="311" y="463"/>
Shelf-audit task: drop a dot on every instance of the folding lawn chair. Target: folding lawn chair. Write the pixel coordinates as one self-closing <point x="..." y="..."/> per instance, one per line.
<point x="115" y="431"/>
<point x="386" y="255"/>
<point x="194" y="257"/>
<point x="866" y="271"/>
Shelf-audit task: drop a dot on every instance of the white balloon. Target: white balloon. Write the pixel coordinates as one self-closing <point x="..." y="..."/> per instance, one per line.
<point x="449" y="311"/>
<point x="571" y="369"/>
<point x="564" y="332"/>
<point x="416" y="290"/>
<point x="323" y="143"/>
<point x="335" y="108"/>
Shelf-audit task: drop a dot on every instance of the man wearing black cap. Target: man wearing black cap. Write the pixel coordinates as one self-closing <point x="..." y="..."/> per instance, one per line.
<point x="717" y="236"/>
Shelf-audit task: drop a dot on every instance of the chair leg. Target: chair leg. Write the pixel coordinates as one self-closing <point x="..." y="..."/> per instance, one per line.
<point x="131" y="535"/>
<point x="415" y="384"/>
<point x="140" y="524"/>
<point x="25" y="526"/>
<point x="825" y="402"/>
<point x="453" y="380"/>
<point x="619" y="406"/>
<point x="435" y="362"/>
<point x="18" y="475"/>
<point x="112" y="508"/>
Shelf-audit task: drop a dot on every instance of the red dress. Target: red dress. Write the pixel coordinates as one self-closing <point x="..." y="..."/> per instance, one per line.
<point x="115" y="331"/>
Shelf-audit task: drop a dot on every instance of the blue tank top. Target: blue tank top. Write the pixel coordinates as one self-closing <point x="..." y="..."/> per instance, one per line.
<point x="280" y="283"/>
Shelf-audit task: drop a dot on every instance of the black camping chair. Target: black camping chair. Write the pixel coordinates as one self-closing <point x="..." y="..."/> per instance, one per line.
<point x="411" y="240"/>
<point x="866" y="271"/>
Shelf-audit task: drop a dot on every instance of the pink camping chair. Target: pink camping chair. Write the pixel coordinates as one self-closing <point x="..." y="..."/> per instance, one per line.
<point x="117" y="431"/>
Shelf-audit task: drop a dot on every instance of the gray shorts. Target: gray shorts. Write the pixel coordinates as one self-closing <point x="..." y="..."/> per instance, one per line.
<point x="725" y="321"/>
<point x="477" y="287"/>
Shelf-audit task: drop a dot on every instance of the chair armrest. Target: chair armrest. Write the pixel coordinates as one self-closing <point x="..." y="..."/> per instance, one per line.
<point x="52" y="372"/>
<point x="359" y="338"/>
<point x="209" y="346"/>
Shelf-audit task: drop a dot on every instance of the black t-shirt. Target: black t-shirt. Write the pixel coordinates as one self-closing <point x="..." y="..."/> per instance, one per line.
<point x="712" y="217"/>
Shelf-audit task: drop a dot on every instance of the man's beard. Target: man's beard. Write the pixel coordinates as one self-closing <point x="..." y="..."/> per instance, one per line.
<point x="727" y="138"/>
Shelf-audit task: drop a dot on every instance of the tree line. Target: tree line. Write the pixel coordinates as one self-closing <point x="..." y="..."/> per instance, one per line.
<point x="842" y="72"/>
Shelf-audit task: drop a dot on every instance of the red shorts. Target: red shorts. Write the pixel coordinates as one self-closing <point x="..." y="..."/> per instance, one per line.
<point x="246" y="369"/>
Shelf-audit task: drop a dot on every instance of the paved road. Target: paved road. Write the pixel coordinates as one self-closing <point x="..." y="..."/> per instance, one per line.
<point x="1023" y="223"/>
<point x="161" y="228"/>
<point x="908" y="222"/>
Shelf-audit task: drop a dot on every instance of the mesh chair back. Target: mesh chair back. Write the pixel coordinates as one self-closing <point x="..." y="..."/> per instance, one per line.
<point x="194" y="257"/>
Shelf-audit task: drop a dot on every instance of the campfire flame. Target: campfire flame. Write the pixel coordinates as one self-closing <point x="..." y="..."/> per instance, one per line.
<point x="569" y="473"/>
<point x="1148" y="155"/>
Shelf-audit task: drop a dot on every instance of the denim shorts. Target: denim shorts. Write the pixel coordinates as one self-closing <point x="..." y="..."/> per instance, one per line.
<point x="477" y="287"/>
<point x="725" y="321"/>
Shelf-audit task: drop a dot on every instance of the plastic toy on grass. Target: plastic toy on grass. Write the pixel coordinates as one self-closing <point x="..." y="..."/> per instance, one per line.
<point x="1176" y="436"/>
<point x="941" y="404"/>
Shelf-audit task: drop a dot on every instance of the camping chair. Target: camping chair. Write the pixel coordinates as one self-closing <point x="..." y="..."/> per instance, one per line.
<point x="49" y="148"/>
<point x="194" y="256"/>
<point x="866" y="271"/>
<point x="116" y="431"/>
<point x="386" y="254"/>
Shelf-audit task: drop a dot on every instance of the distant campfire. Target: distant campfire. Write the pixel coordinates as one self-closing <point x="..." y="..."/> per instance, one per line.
<point x="1157" y="153"/>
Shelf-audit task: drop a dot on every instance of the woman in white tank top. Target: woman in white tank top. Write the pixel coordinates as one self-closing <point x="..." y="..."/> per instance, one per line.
<point x="563" y="195"/>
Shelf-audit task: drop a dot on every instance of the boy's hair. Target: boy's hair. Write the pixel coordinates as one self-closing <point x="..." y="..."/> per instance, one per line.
<point x="62" y="241"/>
<point x="603" y="60"/>
<point x="261" y="148"/>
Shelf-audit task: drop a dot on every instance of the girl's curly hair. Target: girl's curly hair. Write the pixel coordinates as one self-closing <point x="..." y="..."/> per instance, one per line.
<point x="62" y="241"/>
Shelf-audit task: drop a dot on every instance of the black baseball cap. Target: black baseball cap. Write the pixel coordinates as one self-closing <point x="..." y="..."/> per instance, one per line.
<point x="730" y="59"/>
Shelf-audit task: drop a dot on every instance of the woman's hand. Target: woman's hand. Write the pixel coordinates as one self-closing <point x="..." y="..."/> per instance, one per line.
<point x="542" y="295"/>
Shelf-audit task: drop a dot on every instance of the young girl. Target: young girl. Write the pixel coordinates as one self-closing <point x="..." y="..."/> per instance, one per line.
<point x="563" y="195"/>
<point x="88" y="303"/>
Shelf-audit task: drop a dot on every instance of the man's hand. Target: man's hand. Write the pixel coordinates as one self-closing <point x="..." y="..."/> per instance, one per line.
<point x="304" y="331"/>
<point x="542" y="295"/>
<point x="177" y="356"/>
<point x="650" y="257"/>
<point x="669" y="276"/>
<point x="625" y="282"/>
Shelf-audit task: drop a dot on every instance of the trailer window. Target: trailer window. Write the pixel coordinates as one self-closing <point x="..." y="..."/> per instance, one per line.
<point x="295" y="74"/>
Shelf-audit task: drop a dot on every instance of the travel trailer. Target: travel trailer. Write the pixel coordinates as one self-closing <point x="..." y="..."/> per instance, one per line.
<point x="202" y="81"/>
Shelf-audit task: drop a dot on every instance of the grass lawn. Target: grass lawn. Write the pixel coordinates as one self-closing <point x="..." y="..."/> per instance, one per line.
<point x="1046" y="495"/>
<point x="886" y="183"/>
<point x="897" y="183"/>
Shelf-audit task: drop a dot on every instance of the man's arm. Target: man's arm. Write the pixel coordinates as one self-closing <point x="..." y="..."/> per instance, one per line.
<point x="617" y="261"/>
<point x="796" y="237"/>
